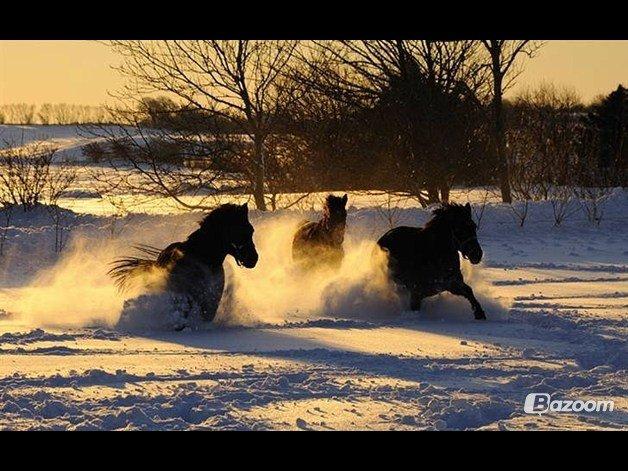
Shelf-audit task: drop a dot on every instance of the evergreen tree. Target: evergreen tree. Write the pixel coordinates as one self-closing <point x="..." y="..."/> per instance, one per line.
<point x="609" y="121"/>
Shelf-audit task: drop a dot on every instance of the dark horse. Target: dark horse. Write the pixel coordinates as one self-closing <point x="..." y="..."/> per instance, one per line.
<point x="424" y="262"/>
<point x="319" y="244"/>
<point x="194" y="268"/>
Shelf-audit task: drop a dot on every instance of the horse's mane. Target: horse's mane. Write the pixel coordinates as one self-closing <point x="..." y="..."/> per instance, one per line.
<point x="218" y="215"/>
<point x="444" y="212"/>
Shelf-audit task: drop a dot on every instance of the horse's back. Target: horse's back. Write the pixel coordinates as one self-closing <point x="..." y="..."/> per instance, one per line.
<point x="303" y="236"/>
<point x="400" y="245"/>
<point x="304" y="231"/>
<point x="418" y="259"/>
<point x="399" y="239"/>
<point x="170" y="254"/>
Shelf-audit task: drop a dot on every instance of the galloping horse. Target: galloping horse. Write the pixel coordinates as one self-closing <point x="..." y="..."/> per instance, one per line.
<point x="319" y="244"/>
<point x="194" y="267"/>
<point x="423" y="262"/>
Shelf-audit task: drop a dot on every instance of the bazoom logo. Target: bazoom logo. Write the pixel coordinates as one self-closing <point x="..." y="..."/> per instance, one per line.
<point x="540" y="403"/>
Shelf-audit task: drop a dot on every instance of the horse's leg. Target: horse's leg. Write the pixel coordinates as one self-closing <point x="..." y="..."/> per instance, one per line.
<point x="212" y="294"/>
<point x="407" y="286"/>
<point x="209" y="308"/>
<point x="462" y="289"/>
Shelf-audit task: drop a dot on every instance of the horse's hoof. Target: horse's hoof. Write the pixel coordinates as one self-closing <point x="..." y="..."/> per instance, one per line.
<point x="480" y="316"/>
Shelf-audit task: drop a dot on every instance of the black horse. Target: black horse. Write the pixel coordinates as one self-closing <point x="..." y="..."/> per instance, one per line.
<point x="319" y="244"/>
<point x="424" y="262"/>
<point x="194" y="268"/>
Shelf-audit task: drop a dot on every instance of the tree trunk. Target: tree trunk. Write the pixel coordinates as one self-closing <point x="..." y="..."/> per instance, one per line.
<point x="498" y="137"/>
<point x="432" y="194"/>
<point x="260" y="175"/>
<point x="444" y="193"/>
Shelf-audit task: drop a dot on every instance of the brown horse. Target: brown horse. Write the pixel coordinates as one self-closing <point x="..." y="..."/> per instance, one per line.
<point x="319" y="244"/>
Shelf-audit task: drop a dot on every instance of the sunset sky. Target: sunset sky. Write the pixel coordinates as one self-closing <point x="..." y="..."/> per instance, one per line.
<point x="80" y="71"/>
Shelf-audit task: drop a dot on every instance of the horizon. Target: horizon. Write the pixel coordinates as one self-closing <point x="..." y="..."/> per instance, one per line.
<point x="80" y="72"/>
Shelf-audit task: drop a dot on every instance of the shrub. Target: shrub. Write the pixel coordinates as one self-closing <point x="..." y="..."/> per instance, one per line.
<point x="94" y="152"/>
<point x="27" y="177"/>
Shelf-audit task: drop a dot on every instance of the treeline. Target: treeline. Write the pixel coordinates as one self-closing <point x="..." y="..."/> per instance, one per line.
<point x="52" y="113"/>
<point x="553" y="139"/>
<point x="409" y="117"/>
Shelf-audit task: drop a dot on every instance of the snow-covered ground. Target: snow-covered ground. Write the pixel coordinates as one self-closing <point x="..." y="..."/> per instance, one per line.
<point x="318" y="353"/>
<point x="67" y="139"/>
<point x="334" y="352"/>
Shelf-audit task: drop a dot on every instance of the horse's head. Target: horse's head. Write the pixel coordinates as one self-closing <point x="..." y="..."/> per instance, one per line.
<point x="463" y="230"/>
<point x="335" y="210"/>
<point x="238" y="236"/>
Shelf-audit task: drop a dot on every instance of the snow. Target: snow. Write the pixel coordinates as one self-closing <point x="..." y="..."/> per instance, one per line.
<point x="320" y="353"/>
<point x="68" y="140"/>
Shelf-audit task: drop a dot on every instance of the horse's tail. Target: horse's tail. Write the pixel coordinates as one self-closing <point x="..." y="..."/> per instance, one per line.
<point x="124" y="269"/>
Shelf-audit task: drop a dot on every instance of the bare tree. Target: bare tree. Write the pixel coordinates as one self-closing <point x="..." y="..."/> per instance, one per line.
<point x="390" y="210"/>
<point x="415" y="91"/>
<point x="6" y="208"/>
<point x="190" y="165"/>
<point x="25" y="171"/>
<point x="523" y="188"/>
<point x="30" y="177"/>
<point x="120" y="218"/>
<point x="592" y="198"/>
<point x="525" y="170"/>
<point x="45" y="114"/>
<point x="240" y="82"/>
<point x="19" y="113"/>
<point x="593" y="184"/>
<point x="480" y="202"/>
<point x="543" y="139"/>
<point x="59" y="181"/>
<point x="503" y="58"/>
<point x="64" y="114"/>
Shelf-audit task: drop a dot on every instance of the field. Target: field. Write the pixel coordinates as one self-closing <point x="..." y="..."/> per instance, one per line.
<point x="320" y="353"/>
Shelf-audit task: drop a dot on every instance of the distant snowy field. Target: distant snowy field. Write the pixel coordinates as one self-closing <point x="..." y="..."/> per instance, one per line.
<point x="325" y="353"/>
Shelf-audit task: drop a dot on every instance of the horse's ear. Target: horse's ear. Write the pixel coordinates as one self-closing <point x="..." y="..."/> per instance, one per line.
<point x="345" y="198"/>
<point x="468" y="206"/>
<point x="245" y="208"/>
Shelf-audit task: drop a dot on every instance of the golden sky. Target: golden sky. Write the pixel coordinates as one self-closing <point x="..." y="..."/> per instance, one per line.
<point x="80" y="71"/>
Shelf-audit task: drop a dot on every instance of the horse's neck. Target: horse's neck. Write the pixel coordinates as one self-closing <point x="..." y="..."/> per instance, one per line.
<point x="329" y="230"/>
<point x="439" y="233"/>
<point x="206" y="244"/>
<point x="324" y="222"/>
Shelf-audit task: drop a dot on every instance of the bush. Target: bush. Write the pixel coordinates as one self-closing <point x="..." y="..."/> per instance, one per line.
<point x="166" y="151"/>
<point x="27" y="178"/>
<point x="95" y="152"/>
